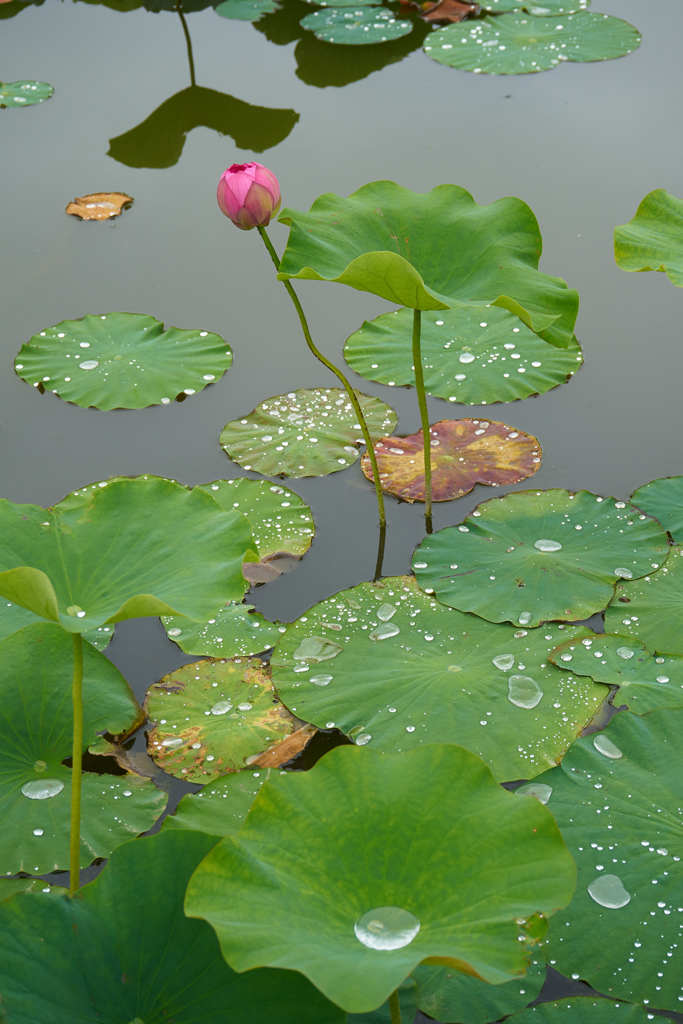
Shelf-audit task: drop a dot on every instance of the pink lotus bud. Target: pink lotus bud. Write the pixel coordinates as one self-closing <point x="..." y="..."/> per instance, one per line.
<point x="249" y="194"/>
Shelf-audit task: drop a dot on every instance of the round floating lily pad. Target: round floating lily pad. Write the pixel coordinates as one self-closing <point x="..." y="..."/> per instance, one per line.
<point x="219" y="809"/>
<point x="586" y="1010"/>
<point x="121" y="361"/>
<point x="429" y="250"/>
<point x="309" y="432"/>
<point x="36" y="721"/>
<point x="23" y="94"/>
<point x="619" y="809"/>
<point x="473" y="355"/>
<point x="13" y="617"/>
<point x="651" y="609"/>
<point x="537" y="7"/>
<point x="356" y="26"/>
<point x="519" y="44"/>
<point x="99" y="205"/>
<point x="463" y="453"/>
<point x="93" y="559"/>
<point x="645" y="682"/>
<point x="235" y="630"/>
<point x="448" y="995"/>
<point x="212" y="717"/>
<point x="152" y="962"/>
<point x="393" y="668"/>
<point x="539" y="555"/>
<point x="316" y="881"/>
<point x="246" y="10"/>
<point x="653" y="239"/>
<point x="663" y="499"/>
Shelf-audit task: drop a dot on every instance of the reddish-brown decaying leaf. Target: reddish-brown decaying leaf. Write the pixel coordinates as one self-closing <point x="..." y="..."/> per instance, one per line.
<point x="449" y="10"/>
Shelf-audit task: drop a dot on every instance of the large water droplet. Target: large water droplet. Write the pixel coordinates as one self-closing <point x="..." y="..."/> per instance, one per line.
<point x="524" y="692"/>
<point x="524" y="618"/>
<point x="625" y="574"/>
<point x="317" y="648"/>
<point x="386" y="928"/>
<point x="625" y="653"/>
<point x="76" y="611"/>
<point x="321" y="680"/>
<point x="172" y="741"/>
<point x="604" y="746"/>
<point x="543" y="544"/>
<point x="504" y="661"/>
<point x="89" y="364"/>
<point x="384" y="631"/>
<point x="222" y="707"/>
<point x="609" y="892"/>
<point x="42" y="789"/>
<point x="540" y="790"/>
<point x="386" y="612"/>
<point x="466" y="357"/>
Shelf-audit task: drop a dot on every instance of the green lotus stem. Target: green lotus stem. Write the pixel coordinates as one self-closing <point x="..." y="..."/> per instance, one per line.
<point x="338" y="374"/>
<point x="424" y="416"/>
<point x="188" y="41"/>
<point x="76" y="766"/>
<point x="395" y="1007"/>
<point x="380" y="552"/>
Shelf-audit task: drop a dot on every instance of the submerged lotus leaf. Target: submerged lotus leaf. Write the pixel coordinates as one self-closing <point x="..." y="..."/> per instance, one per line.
<point x="393" y="668"/>
<point x="36" y="720"/>
<point x="653" y="239"/>
<point x="357" y="26"/>
<point x="246" y="10"/>
<point x="651" y="609"/>
<point x="316" y="881"/>
<point x="13" y="617"/>
<point x="645" y="682"/>
<point x="430" y="250"/>
<point x="519" y="43"/>
<point x="309" y="432"/>
<point x="121" y="361"/>
<point x="123" y="951"/>
<point x="663" y="499"/>
<point x="538" y="555"/>
<point x="586" y="1010"/>
<point x="93" y="559"/>
<point x="99" y="205"/>
<point x="617" y="798"/>
<point x="463" y="453"/>
<point x="473" y="355"/>
<point x="220" y="807"/>
<point x="448" y="995"/>
<point x="23" y="94"/>
<point x="212" y="717"/>
<point x="235" y="630"/>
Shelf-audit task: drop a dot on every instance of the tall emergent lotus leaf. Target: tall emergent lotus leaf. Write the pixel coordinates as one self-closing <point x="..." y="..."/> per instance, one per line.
<point x="663" y="499"/>
<point x="645" y="682"/>
<point x="93" y="558"/>
<point x="318" y="881"/>
<point x="448" y="995"/>
<point x="122" y="361"/>
<point x="617" y="798"/>
<point x="99" y="957"/>
<point x="464" y="453"/>
<point x="236" y="630"/>
<point x="429" y="251"/>
<point x="651" y="609"/>
<point x="13" y="618"/>
<point x="36" y="719"/>
<point x="393" y="668"/>
<point x="653" y="239"/>
<point x="361" y="25"/>
<point x="539" y="555"/>
<point x="520" y="44"/>
<point x="473" y="355"/>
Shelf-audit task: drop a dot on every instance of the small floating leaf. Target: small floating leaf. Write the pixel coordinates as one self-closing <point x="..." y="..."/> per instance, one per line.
<point x="651" y="609"/>
<point x="518" y="43"/>
<point x="355" y="27"/>
<point x="538" y="555"/>
<point x="653" y="239"/>
<point x="663" y="499"/>
<point x="586" y="1010"/>
<point x="99" y="205"/>
<point x="236" y="630"/>
<point x="122" y="361"/>
<point x="309" y="432"/>
<point x="246" y="10"/>
<point x="464" y="453"/>
<point x="23" y="94"/>
<point x="449" y="995"/>
<point x="537" y="7"/>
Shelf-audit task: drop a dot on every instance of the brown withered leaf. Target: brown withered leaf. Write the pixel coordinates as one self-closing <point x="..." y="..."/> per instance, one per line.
<point x="285" y="750"/>
<point x="99" y="205"/>
<point x="464" y="453"/>
<point x="449" y="10"/>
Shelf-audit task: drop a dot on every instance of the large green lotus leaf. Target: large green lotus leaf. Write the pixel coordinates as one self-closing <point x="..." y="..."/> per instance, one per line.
<point x="234" y="631"/>
<point x="463" y="453"/>
<point x="663" y="499"/>
<point x="212" y="717"/>
<point x="94" y="558"/>
<point x="246" y="10"/>
<point x="10" y="886"/>
<point x="619" y="809"/>
<point x="309" y="432"/>
<point x="390" y="666"/>
<point x="121" y="361"/>
<point x="448" y="995"/>
<point x="587" y="1011"/>
<point x="651" y="609"/>
<point x="13" y="617"/>
<point x="653" y="239"/>
<point x="23" y="94"/>
<point x="318" y="881"/>
<point x="123" y="951"/>
<point x="429" y="251"/>
<point x="519" y="44"/>
<point x="538" y="7"/>
<point x="538" y="555"/>
<point x="473" y="355"/>
<point x="219" y="809"/>
<point x="645" y="682"/>
<point x="358" y="26"/>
